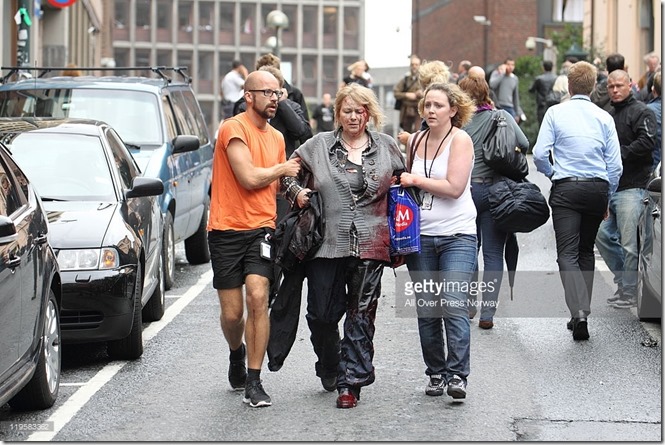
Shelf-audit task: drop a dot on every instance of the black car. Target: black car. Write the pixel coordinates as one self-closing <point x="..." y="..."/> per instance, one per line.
<point x="30" y="295"/>
<point x="105" y="227"/>
<point x="650" y="266"/>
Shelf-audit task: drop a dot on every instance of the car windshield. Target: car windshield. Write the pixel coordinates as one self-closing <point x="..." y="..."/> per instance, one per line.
<point x="68" y="167"/>
<point x="133" y="114"/>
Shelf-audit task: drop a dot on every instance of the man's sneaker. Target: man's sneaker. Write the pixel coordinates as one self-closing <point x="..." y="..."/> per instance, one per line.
<point x="625" y="303"/>
<point x="457" y="388"/>
<point x="238" y="371"/>
<point x="435" y="386"/>
<point x="255" y="395"/>
<point x="618" y="295"/>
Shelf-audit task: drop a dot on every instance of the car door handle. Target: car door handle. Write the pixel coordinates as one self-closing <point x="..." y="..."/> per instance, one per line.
<point x="13" y="262"/>
<point x="41" y="239"/>
<point x="655" y="213"/>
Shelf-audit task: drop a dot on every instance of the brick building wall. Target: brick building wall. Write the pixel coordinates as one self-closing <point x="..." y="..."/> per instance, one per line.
<point x="446" y="29"/>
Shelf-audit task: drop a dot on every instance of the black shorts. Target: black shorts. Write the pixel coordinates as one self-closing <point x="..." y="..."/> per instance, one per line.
<point x="236" y="254"/>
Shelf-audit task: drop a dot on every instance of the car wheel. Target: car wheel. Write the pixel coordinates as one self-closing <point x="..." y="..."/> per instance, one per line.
<point x="196" y="246"/>
<point x="42" y="389"/>
<point x="168" y="251"/>
<point x="131" y="347"/>
<point x="154" y="308"/>
<point x="648" y="306"/>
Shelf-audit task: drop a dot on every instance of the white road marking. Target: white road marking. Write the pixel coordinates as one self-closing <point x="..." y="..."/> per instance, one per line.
<point x="76" y="401"/>
<point x="74" y="384"/>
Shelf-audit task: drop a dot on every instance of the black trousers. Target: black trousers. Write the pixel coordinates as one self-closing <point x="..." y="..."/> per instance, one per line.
<point x="577" y="211"/>
<point x="335" y="287"/>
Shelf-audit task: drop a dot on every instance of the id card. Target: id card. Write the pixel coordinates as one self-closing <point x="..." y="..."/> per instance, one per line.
<point x="266" y="250"/>
<point x="427" y="201"/>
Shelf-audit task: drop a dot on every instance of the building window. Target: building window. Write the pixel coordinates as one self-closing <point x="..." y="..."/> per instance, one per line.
<point x="121" y="20"/>
<point x="330" y="20"/>
<point x="143" y="14"/>
<point x="164" y="57"/>
<point x="227" y="14"/>
<point x="121" y="56"/>
<point x="574" y="11"/>
<point x="164" y="14"/>
<point x="185" y="22"/>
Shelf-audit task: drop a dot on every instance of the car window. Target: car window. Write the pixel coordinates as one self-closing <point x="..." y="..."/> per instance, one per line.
<point x="123" y="160"/>
<point x="134" y="114"/>
<point x="171" y="129"/>
<point x="65" y="166"/>
<point x="185" y="120"/>
<point x="194" y="111"/>
<point x="10" y="197"/>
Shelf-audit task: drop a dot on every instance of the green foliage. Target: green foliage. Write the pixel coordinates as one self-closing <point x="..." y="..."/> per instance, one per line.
<point x="571" y="34"/>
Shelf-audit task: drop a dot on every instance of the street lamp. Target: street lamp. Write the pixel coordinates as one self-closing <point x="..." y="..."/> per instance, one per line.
<point x="278" y="20"/>
<point x="486" y="23"/>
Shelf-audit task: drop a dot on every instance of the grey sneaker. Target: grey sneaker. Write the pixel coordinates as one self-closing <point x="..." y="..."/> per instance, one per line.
<point x="435" y="385"/>
<point x="238" y="371"/>
<point x="618" y="295"/>
<point x="457" y="388"/>
<point x="625" y="303"/>
<point x="255" y="395"/>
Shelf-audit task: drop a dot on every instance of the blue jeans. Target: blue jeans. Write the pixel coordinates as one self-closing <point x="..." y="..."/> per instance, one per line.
<point x="450" y="261"/>
<point x="492" y="241"/>
<point x="617" y="238"/>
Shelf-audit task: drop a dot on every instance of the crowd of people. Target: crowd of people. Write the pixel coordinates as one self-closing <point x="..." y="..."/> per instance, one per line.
<point x="598" y="142"/>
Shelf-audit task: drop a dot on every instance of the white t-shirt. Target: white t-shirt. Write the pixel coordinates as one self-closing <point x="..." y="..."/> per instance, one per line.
<point x="232" y="86"/>
<point x="447" y="216"/>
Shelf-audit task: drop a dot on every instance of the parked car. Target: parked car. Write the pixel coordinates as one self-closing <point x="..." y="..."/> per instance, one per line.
<point x="157" y="118"/>
<point x="30" y="295"/>
<point x="105" y="227"/>
<point x="650" y="265"/>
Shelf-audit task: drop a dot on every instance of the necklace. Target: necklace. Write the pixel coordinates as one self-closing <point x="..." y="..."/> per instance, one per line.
<point x="351" y="147"/>
<point x="429" y="175"/>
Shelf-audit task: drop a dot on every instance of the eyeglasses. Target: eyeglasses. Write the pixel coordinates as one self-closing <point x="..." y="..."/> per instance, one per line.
<point x="269" y="93"/>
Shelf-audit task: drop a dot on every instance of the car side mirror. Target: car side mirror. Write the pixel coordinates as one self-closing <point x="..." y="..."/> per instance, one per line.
<point x="185" y="143"/>
<point x="655" y="185"/>
<point x="7" y="230"/>
<point x="143" y="186"/>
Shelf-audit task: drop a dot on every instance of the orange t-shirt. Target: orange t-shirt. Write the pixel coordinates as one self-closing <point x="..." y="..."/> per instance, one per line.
<point x="232" y="207"/>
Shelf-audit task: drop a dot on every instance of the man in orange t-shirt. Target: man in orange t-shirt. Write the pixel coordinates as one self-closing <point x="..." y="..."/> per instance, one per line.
<point x="249" y="158"/>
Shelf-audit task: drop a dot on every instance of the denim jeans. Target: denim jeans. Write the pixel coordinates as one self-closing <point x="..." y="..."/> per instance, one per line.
<point x="444" y="260"/>
<point x="492" y="242"/>
<point x="617" y="238"/>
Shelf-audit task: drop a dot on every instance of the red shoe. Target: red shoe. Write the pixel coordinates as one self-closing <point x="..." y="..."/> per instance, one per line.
<point x="346" y="399"/>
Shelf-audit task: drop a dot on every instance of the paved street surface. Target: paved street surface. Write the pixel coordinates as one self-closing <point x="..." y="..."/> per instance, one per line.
<point x="529" y="380"/>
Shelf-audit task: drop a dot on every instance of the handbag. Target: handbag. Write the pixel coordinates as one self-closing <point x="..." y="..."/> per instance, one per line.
<point x="403" y="222"/>
<point x="517" y="206"/>
<point x="500" y="150"/>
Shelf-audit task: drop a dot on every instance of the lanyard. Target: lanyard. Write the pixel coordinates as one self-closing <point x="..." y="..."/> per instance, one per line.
<point x="428" y="175"/>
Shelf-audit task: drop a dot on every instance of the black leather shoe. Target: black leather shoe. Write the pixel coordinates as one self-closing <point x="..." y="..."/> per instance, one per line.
<point x="569" y="325"/>
<point x="580" y="329"/>
<point x="329" y="383"/>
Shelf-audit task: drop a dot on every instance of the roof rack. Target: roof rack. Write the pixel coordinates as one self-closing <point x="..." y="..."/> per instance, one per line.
<point x="159" y="70"/>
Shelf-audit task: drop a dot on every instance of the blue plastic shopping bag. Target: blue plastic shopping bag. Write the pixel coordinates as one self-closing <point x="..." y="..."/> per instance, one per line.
<point x="403" y="221"/>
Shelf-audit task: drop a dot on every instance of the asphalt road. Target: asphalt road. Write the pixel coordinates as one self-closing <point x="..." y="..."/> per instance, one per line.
<point x="529" y="380"/>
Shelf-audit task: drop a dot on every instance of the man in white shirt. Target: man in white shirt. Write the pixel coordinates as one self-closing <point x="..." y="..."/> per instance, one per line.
<point x="232" y="87"/>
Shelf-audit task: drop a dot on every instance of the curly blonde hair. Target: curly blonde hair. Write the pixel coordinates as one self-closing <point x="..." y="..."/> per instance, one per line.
<point x="457" y="98"/>
<point x="363" y="96"/>
<point x="433" y="71"/>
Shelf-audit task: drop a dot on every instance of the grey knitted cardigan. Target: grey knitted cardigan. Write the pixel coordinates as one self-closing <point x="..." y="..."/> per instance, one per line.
<point x="369" y="212"/>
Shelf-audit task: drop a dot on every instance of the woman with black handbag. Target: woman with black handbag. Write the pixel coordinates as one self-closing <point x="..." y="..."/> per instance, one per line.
<point x="491" y="239"/>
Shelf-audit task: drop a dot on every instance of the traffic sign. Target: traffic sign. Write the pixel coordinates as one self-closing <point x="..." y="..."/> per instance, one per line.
<point x="61" y="3"/>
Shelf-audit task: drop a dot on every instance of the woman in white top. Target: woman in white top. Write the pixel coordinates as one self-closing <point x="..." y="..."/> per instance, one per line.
<point x="441" y="165"/>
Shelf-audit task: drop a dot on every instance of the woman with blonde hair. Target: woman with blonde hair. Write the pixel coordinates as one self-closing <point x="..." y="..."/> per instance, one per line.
<point x="433" y="71"/>
<point x="352" y="169"/>
<point x="441" y="165"/>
